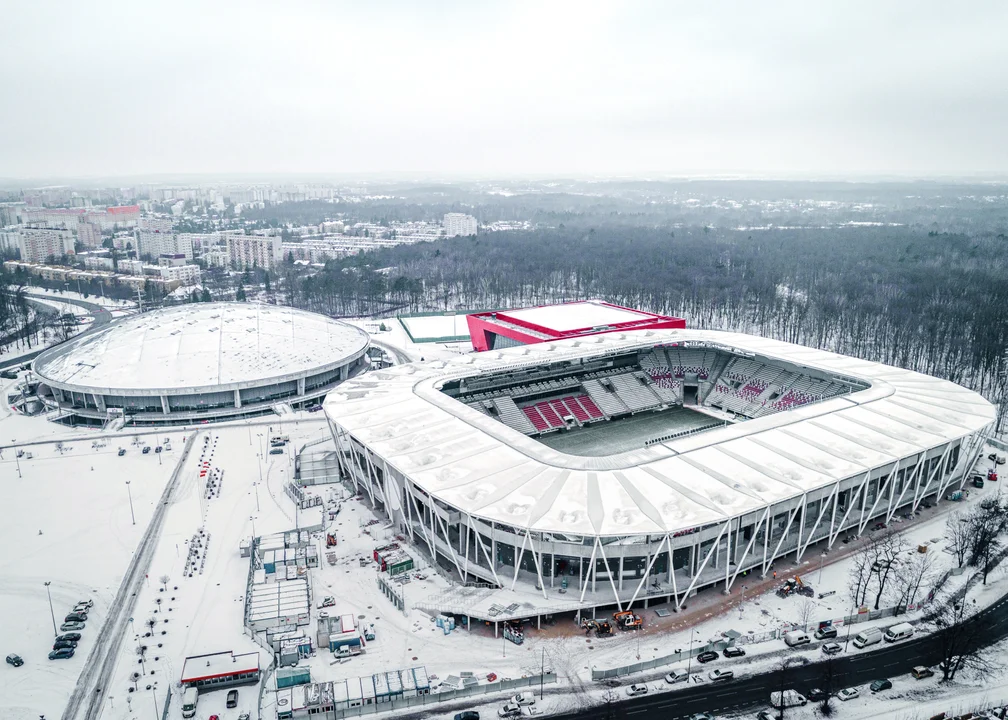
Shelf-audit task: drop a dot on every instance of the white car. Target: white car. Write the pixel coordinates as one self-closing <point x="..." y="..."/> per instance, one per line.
<point x="848" y="694"/>
<point x="522" y="699"/>
<point x="676" y="676"/>
<point x="509" y="710"/>
<point x="636" y="690"/>
<point x="720" y="675"/>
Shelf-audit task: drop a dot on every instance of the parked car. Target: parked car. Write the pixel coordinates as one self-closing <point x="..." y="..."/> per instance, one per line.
<point x="706" y="656"/>
<point x="796" y="638"/>
<point x="245" y="716"/>
<point x="15" y="660"/>
<point x="68" y="626"/>
<point x="766" y="715"/>
<point x="720" y="675"/>
<point x="978" y="482"/>
<point x="522" y="699"/>
<point x="880" y="685"/>
<point x="509" y="710"/>
<point x="85" y="604"/>
<point x="676" y="676"/>
<point x="817" y="695"/>
<point x="464" y="715"/>
<point x="314" y="408"/>
<point x="827" y="632"/>
<point x="232" y="699"/>
<point x="75" y="637"/>
<point x="920" y="672"/>
<point x="928" y="504"/>
<point x="64" y="644"/>
<point x="122" y="451"/>
<point x="733" y="651"/>
<point x="636" y="689"/>
<point x="276" y="451"/>
<point x="76" y="617"/>
<point x="787" y="699"/>
<point x="848" y="694"/>
<point x="701" y="716"/>
<point x="61" y="654"/>
<point x="832" y="648"/>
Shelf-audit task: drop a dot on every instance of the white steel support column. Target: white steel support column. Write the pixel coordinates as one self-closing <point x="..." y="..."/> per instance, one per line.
<point x="537" y="556"/>
<point x="882" y="488"/>
<point x="612" y="583"/>
<point x="913" y="479"/>
<point x="822" y="511"/>
<point x="935" y="472"/>
<point x="860" y="492"/>
<point x="752" y="540"/>
<point x="448" y="544"/>
<point x="801" y="527"/>
<point x="717" y="541"/>
<point x="479" y="542"/>
<point x="423" y="528"/>
<point x="591" y="563"/>
<point x="787" y="530"/>
<point x="728" y="548"/>
<point x="518" y="559"/>
<point x="647" y="571"/>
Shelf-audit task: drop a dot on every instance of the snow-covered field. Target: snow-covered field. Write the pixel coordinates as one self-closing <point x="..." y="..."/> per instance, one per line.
<point x="67" y="521"/>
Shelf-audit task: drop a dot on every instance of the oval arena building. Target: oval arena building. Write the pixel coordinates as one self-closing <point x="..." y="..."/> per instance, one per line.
<point x="637" y="467"/>
<point x="199" y="362"/>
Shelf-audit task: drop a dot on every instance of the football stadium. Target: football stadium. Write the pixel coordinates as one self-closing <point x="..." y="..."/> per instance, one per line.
<point x="197" y="362"/>
<point x="641" y="466"/>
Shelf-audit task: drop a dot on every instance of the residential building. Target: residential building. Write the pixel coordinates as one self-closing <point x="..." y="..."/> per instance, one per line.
<point x="89" y="233"/>
<point x="249" y="251"/>
<point x="65" y="218"/>
<point x="156" y="244"/>
<point x="184" y="274"/>
<point x="459" y="224"/>
<point x="37" y="244"/>
<point x="10" y="238"/>
<point x="156" y="223"/>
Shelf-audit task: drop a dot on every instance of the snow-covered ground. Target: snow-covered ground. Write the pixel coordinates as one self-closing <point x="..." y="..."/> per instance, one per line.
<point x="94" y="299"/>
<point x="395" y="337"/>
<point x="67" y="522"/>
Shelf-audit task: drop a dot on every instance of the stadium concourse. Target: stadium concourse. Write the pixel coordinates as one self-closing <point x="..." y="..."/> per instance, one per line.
<point x="704" y="455"/>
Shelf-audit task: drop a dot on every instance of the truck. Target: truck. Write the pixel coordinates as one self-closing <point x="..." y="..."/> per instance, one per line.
<point x="189" y="699"/>
<point x="279" y="440"/>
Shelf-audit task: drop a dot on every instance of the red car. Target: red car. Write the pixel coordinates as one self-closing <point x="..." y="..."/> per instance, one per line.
<point x="213" y="717"/>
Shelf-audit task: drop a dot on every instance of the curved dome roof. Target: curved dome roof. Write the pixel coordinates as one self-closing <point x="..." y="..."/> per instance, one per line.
<point x="212" y="346"/>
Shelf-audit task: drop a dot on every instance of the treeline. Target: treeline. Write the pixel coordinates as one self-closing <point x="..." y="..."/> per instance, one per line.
<point x="921" y="299"/>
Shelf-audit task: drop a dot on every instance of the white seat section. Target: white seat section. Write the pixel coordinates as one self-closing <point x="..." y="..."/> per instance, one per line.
<point x="608" y="402"/>
<point x="511" y="416"/>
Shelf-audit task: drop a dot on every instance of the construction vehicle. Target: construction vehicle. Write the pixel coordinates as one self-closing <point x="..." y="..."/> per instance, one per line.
<point x="627" y="620"/>
<point x="795" y="586"/>
<point x="330" y="539"/>
<point x="587" y="624"/>
<point x="513" y="632"/>
<point x="603" y="629"/>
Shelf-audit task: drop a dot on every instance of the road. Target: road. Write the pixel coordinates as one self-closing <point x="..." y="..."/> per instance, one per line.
<point x="101" y="317"/>
<point x="753" y="693"/>
<point x="88" y="695"/>
<point x="401" y="358"/>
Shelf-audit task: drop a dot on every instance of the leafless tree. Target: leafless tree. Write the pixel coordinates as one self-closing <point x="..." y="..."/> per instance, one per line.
<point x="164" y="581"/>
<point x="828" y="684"/>
<point x="806" y="611"/>
<point x="914" y="573"/>
<point x="958" y="536"/>
<point x="859" y="576"/>
<point x="959" y="635"/>
<point x="885" y="550"/>
<point x="985" y="525"/>
<point x="783" y="673"/>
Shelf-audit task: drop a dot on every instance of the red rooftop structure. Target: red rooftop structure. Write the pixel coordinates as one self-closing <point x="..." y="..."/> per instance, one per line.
<point x="525" y="326"/>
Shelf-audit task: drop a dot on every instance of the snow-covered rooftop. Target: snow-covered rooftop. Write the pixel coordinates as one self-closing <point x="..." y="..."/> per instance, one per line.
<point x="576" y="315"/>
<point x="483" y="467"/>
<point x="201" y="346"/>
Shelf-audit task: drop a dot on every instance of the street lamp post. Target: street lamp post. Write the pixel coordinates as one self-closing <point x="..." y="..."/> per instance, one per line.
<point x="822" y="560"/>
<point x="689" y="658"/>
<point x="256" y="486"/>
<point x="51" y="613"/>
<point x="129" y="493"/>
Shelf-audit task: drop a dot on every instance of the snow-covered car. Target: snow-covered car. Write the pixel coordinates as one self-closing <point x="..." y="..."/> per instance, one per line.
<point x="720" y="675"/>
<point x="920" y="672"/>
<point x="880" y="685"/>
<point x="61" y="654"/>
<point x="327" y="601"/>
<point x="707" y="656"/>
<point x="68" y="626"/>
<point x="733" y="651"/>
<point x="701" y="716"/>
<point x="848" y="694"/>
<point x="15" y="660"/>
<point x="676" y="676"/>
<point x="817" y="694"/>
<point x="636" y="690"/>
<point x="509" y="710"/>
<point x="787" y="699"/>
<point x="522" y="699"/>
<point x="832" y="648"/>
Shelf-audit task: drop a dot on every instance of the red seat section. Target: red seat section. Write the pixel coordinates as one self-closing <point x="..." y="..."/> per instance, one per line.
<point x="535" y="418"/>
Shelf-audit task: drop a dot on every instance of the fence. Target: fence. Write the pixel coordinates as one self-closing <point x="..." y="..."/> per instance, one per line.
<point x="447" y="696"/>
<point x="167" y="703"/>
<point x="390" y="592"/>
<point x="677" y="656"/>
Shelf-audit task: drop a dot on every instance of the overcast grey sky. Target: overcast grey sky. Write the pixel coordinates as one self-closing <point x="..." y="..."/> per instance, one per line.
<point x="134" y="87"/>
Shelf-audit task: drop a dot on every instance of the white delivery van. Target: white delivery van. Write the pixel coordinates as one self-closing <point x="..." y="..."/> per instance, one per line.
<point x="899" y="632"/>
<point x="796" y="637"/>
<point x="189" y="699"/>
<point x="787" y="699"/>
<point x="868" y="637"/>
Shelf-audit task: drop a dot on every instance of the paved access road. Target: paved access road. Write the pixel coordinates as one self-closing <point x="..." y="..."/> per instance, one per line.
<point x="753" y="693"/>
<point x="100" y="314"/>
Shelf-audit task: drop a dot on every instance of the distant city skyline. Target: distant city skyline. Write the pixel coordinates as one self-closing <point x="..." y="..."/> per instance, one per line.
<point x="452" y="90"/>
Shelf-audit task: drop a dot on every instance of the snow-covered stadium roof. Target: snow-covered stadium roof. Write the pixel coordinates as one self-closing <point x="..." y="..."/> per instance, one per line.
<point x="201" y="346"/>
<point x="483" y="467"/>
